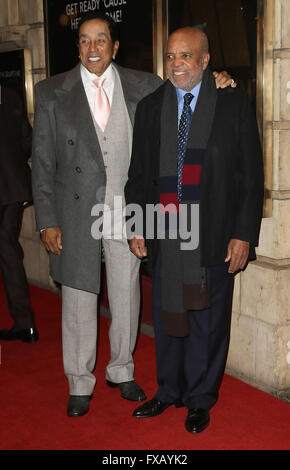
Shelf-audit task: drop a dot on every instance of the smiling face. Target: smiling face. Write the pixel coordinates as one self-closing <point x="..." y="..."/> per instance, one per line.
<point x="186" y="58"/>
<point x="96" y="48"/>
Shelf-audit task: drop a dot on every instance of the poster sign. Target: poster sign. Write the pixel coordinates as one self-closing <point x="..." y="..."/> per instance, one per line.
<point x="62" y="18"/>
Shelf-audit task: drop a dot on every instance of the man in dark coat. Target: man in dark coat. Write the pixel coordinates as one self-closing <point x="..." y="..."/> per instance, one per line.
<point x="195" y="149"/>
<point x="15" y="191"/>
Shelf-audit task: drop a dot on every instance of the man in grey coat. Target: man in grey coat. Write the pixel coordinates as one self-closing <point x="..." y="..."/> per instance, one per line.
<point x="76" y="164"/>
<point x="81" y="155"/>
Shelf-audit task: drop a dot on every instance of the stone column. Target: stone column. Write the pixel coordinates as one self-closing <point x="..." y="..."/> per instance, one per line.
<point x="260" y="340"/>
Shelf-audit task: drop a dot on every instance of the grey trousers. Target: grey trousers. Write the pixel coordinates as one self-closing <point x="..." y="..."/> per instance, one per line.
<point x="79" y="322"/>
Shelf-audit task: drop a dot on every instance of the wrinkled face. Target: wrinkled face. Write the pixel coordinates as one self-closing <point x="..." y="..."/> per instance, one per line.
<point x="96" y="48"/>
<point x="185" y="60"/>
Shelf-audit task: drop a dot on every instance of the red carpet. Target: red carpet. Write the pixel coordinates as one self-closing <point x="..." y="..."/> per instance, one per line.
<point x="34" y="395"/>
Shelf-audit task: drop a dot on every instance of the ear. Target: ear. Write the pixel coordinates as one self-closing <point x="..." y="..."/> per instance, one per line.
<point x="205" y="60"/>
<point x="115" y="48"/>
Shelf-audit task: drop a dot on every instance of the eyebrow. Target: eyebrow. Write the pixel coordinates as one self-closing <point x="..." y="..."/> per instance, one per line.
<point x="97" y="35"/>
<point x="181" y="52"/>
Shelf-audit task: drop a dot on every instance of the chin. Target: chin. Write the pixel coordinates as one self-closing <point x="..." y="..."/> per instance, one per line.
<point x="95" y="70"/>
<point x="179" y="84"/>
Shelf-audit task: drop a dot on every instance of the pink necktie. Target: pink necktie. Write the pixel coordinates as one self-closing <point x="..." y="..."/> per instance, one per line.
<point x="101" y="104"/>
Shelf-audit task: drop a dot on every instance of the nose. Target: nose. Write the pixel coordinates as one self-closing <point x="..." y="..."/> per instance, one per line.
<point x="93" y="46"/>
<point x="176" y="61"/>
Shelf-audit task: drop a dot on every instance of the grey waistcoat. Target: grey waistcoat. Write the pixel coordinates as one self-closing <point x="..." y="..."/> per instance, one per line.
<point x="116" y="145"/>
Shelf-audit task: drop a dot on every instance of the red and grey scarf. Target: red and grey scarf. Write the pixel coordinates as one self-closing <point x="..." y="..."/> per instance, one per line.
<point x="183" y="280"/>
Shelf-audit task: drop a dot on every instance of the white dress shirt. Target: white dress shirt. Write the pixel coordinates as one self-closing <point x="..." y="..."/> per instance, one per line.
<point x="90" y="88"/>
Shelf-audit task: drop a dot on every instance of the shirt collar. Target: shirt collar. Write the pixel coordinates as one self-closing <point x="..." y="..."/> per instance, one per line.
<point x="194" y="92"/>
<point x="108" y="74"/>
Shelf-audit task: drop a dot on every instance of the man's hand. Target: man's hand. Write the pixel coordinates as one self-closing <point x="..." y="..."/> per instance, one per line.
<point x="52" y="239"/>
<point x="223" y="80"/>
<point x="137" y="246"/>
<point x="238" y="252"/>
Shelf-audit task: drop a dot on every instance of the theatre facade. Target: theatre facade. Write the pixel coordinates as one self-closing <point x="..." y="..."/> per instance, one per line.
<point x="251" y="40"/>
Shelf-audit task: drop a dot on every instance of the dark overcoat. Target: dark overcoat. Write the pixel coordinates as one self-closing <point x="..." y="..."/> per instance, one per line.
<point x="231" y="180"/>
<point x="15" y="149"/>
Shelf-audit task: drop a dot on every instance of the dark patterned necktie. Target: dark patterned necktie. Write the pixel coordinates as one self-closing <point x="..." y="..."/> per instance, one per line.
<point x="183" y="130"/>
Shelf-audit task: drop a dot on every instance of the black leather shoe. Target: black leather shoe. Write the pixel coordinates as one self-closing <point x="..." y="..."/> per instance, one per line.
<point x="197" y="420"/>
<point x="129" y="390"/>
<point x="28" y="335"/>
<point x="78" y="405"/>
<point x="151" y="408"/>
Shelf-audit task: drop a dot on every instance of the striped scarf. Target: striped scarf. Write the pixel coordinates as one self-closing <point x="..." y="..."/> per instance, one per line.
<point x="183" y="280"/>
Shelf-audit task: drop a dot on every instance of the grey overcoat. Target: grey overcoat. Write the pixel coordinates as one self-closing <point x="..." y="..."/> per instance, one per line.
<point x="68" y="173"/>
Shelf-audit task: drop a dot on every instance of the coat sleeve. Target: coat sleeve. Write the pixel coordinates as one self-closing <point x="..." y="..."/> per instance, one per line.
<point x="249" y="178"/>
<point x="26" y="137"/>
<point x="134" y="189"/>
<point x="20" y="119"/>
<point x="135" y="186"/>
<point x="43" y="164"/>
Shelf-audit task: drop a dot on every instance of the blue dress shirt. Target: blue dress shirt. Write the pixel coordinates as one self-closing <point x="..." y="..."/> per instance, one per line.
<point x="180" y="98"/>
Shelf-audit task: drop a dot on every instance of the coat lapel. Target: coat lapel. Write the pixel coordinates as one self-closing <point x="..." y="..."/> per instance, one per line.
<point x="203" y="116"/>
<point x="132" y="87"/>
<point x="75" y="106"/>
<point x="155" y="134"/>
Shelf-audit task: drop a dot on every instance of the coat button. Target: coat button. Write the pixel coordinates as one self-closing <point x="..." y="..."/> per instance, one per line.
<point x="70" y="142"/>
<point x="76" y="196"/>
<point x="78" y="169"/>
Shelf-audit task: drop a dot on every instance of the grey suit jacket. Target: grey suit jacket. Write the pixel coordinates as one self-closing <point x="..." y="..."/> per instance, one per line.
<point x="68" y="173"/>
